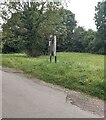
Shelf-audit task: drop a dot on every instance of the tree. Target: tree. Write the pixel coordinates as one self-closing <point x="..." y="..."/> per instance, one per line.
<point x="27" y="23"/>
<point x="31" y="26"/>
<point x="1" y="45"/>
<point x="77" y="40"/>
<point x="82" y="40"/>
<point x="11" y="40"/>
<point x="89" y="40"/>
<point x="100" y="21"/>
<point x="70" y="22"/>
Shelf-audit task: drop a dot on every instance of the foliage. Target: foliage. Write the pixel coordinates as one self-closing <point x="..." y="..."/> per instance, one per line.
<point x="81" y="40"/>
<point x="78" y="38"/>
<point x="100" y="21"/>
<point x="27" y="28"/>
<point x="34" y="24"/>
<point x="70" y="25"/>
<point x="77" y="71"/>
<point x="12" y="41"/>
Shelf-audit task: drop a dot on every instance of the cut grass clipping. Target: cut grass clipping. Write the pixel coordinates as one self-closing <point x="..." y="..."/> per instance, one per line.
<point x="76" y="71"/>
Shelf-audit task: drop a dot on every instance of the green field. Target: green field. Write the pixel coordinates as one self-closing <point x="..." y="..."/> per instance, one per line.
<point x="77" y="71"/>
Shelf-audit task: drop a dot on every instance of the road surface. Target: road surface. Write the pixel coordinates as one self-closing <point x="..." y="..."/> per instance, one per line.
<point x="24" y="98"/>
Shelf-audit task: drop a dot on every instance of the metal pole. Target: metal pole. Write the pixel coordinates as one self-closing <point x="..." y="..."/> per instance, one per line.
<point x="50" y="51"/>
<point x="55" y="48"/>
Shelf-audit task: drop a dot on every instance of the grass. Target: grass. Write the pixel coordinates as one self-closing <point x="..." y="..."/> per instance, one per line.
<point x="77" y="71"/>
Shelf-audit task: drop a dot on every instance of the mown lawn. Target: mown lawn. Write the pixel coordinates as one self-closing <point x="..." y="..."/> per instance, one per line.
<point x="77" y="71"/>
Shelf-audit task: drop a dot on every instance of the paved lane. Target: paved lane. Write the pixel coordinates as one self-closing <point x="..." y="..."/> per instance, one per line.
<point x="24" y="98"/>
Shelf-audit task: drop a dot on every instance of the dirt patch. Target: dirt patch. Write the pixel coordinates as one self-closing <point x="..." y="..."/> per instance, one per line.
<point x="11" y="70"/>
<point x="95" y="105"/>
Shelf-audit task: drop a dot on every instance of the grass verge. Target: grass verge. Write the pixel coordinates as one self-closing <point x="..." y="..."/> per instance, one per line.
<point x="77" y="71"/>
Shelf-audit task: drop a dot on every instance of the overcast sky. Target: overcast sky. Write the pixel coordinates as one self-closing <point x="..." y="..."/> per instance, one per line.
<point x="84" y="11"/>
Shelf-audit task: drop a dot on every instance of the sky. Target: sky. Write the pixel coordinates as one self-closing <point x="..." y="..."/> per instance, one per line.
<point x="84" y="11"/>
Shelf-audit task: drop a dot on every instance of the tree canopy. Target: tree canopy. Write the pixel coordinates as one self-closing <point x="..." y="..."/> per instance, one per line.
<point x="32" y="25"/>
<point x="27" y="28"/>
<point x="100" y="22"/>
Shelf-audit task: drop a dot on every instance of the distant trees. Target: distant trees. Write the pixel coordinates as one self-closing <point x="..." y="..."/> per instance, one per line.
<point x="1" y="46"/>
<point x="70" y="23"/>
<point x="27" y="28"/>
<point x="100" y="21"/>
<point x="81" y="40"/>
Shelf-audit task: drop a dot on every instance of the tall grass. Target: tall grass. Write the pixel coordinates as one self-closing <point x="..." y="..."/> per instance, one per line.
<point x="77" y="71"/>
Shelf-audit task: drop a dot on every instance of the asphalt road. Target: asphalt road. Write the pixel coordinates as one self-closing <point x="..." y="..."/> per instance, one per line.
<point x="24" y="98"/>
